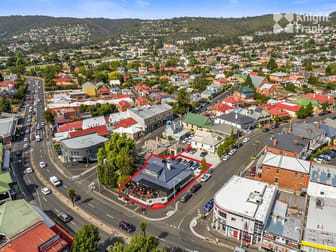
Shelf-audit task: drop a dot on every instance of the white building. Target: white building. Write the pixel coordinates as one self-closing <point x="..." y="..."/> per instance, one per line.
<point x="207" y="141"/>
<point x="242" y="208"/>
<point x="93" y="122"/>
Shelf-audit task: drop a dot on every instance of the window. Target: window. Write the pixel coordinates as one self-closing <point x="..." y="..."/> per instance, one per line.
<point x="302" y="175"/>
<point x="276" y="180"/>
<point x="233" y="219"/>
<point x="277" y="170"/>
<point x="222" y="214"/>
<point x="296" y="175"/>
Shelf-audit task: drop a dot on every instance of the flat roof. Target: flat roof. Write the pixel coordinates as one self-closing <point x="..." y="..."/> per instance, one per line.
<point x="240" y="195"/>
<point x="6" y="127"/>
<point x="84" y="141"/>
<point x="288" y="163"/>
<point x="320" y="227"/>
<point x="146" y="112"/>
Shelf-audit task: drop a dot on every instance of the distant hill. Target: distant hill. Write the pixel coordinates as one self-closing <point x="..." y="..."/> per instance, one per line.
<point x="175" y="28"/>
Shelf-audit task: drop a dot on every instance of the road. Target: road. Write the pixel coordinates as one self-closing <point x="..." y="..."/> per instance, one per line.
<point x="174" y="232"/>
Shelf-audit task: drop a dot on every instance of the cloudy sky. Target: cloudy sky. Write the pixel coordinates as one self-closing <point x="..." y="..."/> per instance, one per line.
<point x="155" y="9"/>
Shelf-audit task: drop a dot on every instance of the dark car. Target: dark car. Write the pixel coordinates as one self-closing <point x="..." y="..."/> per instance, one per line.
<point x="185" y="197"/>
<point x="64" y="217"/>
<point x="275" y="126"/>
<point x="127" y="226"/>
<point x="76" y="197"/>
<point x="237" y="145"/>
<point x="266" y="129"/>
<point x="203" y="154"/>
<point x="195" y="188"/>
<point x="322" y="114"/>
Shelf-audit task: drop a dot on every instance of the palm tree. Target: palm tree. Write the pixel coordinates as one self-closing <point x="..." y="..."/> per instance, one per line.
<point x="71" y="194"/>
<point x="143" y="226"/>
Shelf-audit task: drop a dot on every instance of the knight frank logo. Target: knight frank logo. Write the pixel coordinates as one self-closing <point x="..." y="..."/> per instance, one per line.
<point x="297" y="23"/>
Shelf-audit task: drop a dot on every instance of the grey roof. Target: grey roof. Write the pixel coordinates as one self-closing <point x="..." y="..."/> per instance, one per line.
<point x="288" y="142"/>
<point x="86" y="141"/>
<point x="146" y="112"/>
<point x="323" y="174"/>
<point x="257" y="80"/>
<point x="158" y="176"/>
<point x="237" y="118"/>
<point x="329" y="130"/>
<point x="302" y="129"/>
<point x="7" y="127"/>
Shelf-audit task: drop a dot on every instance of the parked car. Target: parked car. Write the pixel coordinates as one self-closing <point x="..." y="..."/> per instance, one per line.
<point x="203" y="154"/>
<point x="193" y="151"/>
<point x="76" y="197"/>
<point x="226" y="157"/>
<point x="232" y="152"/>
<point x="127" y="226"/>
<point x="246" y="139"/>
<point x="28" y="170"/>
<point x="205" y="177"/>
<point x="26" y="145"/>
<point x="25" y="139"/>
<point x="42" y="164"/>
<point x="266" y="129"/>
<point x="237" y="145"/>
<point x="185" y="197"/>
<point x="209" y="205"/>
<point x="45" y="190"/>
<point x="195" y="188"/>
<point x="64" y="217"/>
<point x="274" y="126"/>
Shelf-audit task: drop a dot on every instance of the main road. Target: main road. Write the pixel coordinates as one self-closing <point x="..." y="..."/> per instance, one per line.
<point x="173" y="232"/>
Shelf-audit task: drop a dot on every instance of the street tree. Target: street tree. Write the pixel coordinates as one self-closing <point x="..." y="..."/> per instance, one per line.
<point x="309" y="109"/>
<point x="86" y="239"/>
<point x="71" y="195"/>
<point x="48" y="116"/>
<point x="143" y="226"/>
<point x="325" y="105"/>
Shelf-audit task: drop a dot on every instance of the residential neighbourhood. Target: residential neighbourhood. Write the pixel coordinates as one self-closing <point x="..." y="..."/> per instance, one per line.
<point x="137" y="142"/>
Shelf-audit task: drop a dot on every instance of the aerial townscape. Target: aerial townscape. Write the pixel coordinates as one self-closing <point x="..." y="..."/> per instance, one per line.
<point x="186" y="132"/>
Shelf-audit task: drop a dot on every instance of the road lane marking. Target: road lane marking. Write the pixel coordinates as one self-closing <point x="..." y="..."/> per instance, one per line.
<point x="57" y="211"/>
<point x="109" y="216"/>
<point x="44" y="199"/>
<point x="65" y="186"/>
<point x="73" y="223"/>
<point x="29" y="181"/>
<point x="91" y="205"/>
<point x="47" y="170"/>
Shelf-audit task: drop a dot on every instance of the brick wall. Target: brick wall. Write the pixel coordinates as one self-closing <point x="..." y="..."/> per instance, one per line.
<point x="287" y="179"/>
<point x="281" y="152"/>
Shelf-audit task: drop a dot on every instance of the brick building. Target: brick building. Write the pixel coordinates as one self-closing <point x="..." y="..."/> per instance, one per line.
<point x="286" y="172"/>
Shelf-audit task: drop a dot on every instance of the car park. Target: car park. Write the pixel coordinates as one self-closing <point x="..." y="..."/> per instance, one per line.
<point x="64" y="217"/>
<point x="185" y="197"/>
<point x="205" y="177"/>
<point x="127" y="226"/>
<point x="195" y="188"/>
<point x="45" y="190"/>
<point x="42" y="164"/>
<point x="246" y="139"/>
<point x="28" y="170"/>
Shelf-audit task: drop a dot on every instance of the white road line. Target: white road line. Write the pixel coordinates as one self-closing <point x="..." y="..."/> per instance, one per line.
<point x="73" y="223"/>
<point x="109" y="216"/>
<point x="44" y="199"/>
<point x="29" y="181"/>
<point x="47" y="170"/>
<point x="57" y="211"/>
<point x="91" y="205"/>
<point x="65" y="186"/>
<point x="179" y="225"/>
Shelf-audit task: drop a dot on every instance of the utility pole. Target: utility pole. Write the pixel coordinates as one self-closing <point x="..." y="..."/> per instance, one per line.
<point x="98" y="178"/>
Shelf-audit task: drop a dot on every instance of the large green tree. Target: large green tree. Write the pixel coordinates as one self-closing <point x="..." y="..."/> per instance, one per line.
<point x="183" y="101"/>
<point x="71" y="195"/>
<point x="48" y="116"/>
<point x="272" y="65"/>
<point x="86" y="239"/>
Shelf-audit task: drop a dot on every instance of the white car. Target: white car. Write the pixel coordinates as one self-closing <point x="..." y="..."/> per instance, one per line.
<point x="205" y="177"/>
<point x="54" y="180"/>
<point x="37" y="139"/>
<point x="25" y="139"/>
<point x="25" y="146"/>
<point x="197" y="172"/>
<point x="38" y="127"/>
<point x="246" y="139"/>
<point x="45" y="190"/>
<point x="42" y="164"/>
<point x="232" y="152"/>
<point x="28" y="170"/>
<point x="226" y="157"/>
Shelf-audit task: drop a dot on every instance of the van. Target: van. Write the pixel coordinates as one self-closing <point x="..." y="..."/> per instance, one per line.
<point x="185" y="197"/>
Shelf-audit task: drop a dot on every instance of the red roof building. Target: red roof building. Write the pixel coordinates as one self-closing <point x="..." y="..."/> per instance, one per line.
<point x="141" y="101"/>
<point x="125" y="123"/>
<point x="233" y="101"/>
<point x="123" y="106"/>
<point x="70" y="126"/>
<point x="7" y="85"/>
<point x="100" y="130"/>
<point x="221" y="108"/>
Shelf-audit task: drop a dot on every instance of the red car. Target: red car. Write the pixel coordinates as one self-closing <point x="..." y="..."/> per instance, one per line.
<point x="127" y="226"/>
<point x="188" y="149"/>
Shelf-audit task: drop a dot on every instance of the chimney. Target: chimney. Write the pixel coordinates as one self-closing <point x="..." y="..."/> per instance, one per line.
<point x="310" y="130"/>
<point x="275" y="141"/>
<point x="295" y="142"/>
